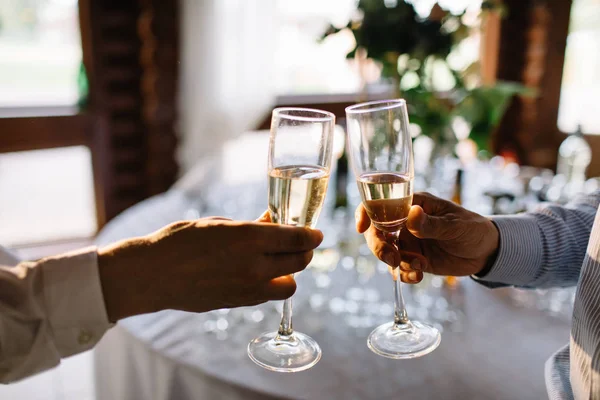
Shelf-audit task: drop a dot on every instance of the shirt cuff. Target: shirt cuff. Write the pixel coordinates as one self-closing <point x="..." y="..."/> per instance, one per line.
<point x="520" y="252"/>
<point x="74" y="300"/>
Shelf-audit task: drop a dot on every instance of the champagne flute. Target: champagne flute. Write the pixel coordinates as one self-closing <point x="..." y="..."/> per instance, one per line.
<point x="300" y="151"/>
<point x="380" y="147"/>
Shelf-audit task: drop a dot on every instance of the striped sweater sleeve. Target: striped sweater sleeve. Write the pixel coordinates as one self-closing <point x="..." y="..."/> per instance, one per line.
<point x="543" y="248"/>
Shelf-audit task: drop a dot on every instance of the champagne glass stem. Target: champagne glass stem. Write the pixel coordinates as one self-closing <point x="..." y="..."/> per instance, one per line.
<point x="400" y="314"/>
<point x="285" y="327"/>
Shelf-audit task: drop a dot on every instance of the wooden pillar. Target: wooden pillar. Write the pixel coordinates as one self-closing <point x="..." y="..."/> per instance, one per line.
<point x="131" y="60"/>
<point x="159" y="31"/>
<point x="531" y="50"/>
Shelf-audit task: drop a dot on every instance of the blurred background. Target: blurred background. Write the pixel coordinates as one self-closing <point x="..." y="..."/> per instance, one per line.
<point x="104" y="104"/>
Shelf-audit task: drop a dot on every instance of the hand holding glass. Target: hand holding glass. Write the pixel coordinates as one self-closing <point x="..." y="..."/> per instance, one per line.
<point x="300" y="150"/>
<point x="382" y="159"/>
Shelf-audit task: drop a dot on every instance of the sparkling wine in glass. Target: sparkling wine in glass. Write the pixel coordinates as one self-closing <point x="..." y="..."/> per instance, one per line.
<point x="381" y="156"/>
<point x="296" y="194"/>
<point x="300" y="152"/>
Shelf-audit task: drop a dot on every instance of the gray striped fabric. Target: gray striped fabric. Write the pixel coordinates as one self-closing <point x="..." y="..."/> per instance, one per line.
<point x="559" y="246"/>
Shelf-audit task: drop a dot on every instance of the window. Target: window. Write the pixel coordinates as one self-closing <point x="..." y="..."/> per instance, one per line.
<point x="46" y="195"/>
<point x="305" y="66"/>
<point x="40" y="53"/>
<point x="46" y="189"/>
<point x="579" y="103"/>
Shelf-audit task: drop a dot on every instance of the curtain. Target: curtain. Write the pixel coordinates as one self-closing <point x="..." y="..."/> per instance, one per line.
<point x="226" y="72"/>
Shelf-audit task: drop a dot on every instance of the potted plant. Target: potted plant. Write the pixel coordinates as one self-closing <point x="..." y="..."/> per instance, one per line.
<point x="412" y="50"/>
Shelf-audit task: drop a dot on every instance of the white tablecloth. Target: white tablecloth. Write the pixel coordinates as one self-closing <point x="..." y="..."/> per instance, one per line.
<point x="492" y="351"/>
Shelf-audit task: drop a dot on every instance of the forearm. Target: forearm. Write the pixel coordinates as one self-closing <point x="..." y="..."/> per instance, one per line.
<point x="545" y="248"/>
<point x="124" y="276"/>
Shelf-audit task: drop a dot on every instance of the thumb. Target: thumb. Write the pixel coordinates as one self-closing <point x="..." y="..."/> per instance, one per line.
<point x="424" y="226"/>
<point x="265" y="217"/>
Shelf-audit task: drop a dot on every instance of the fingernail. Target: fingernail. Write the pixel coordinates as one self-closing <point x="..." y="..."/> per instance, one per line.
<point x="415" y="264"/>
<point x="412" y="276"/>
<point x="390" y="259"/>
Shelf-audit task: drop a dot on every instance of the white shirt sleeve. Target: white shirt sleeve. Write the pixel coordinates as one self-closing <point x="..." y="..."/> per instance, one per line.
<point x="49" y="309"/>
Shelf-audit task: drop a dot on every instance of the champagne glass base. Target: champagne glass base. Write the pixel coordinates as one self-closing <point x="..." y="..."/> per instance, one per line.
<point x="403" y="341"/>
<point x="279" y="353"/>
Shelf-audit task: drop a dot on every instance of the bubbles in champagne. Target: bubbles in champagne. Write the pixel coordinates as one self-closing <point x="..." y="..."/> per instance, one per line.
<point x="387" y="197"/>
<point x="296" y="194"/>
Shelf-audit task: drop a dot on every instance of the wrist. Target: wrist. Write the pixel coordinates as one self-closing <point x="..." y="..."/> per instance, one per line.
<point x="108" y="271"/>
<point x="492" y="254"/>
<point x="118" y="281"/>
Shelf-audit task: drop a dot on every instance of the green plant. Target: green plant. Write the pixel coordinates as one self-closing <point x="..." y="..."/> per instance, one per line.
<point x="412" y="50"/>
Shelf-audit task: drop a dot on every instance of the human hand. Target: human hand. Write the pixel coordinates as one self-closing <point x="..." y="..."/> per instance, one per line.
<point x="202" y="265"/>
<point x="439" y="237"/>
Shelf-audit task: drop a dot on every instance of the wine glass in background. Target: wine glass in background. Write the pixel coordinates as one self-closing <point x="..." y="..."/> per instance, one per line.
<point x="381" y="155"/>
<point x="300" y="152"/>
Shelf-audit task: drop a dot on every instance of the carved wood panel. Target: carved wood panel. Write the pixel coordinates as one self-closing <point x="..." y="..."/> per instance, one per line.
<point x="132" y="63"/>
<point x="532" y="50"/>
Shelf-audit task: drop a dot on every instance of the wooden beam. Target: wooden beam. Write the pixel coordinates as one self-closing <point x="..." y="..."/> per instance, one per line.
<point x="489" y="47"/>
<point x="34" y="133"/>
<point x="335" y="104"/>
<point x="559" y="13"/>
<point x="337" y="109"/>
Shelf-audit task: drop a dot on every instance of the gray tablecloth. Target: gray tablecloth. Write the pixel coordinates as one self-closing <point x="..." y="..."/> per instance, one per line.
<point x="490" y="349"/>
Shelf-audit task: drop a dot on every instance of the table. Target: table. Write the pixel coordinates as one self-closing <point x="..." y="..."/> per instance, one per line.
<point x="491" y="350"/>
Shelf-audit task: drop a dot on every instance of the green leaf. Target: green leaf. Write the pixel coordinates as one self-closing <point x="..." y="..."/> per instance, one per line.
<point x="484" y="107"/>
<point x="498" y="98"/>
<point x="83" y="88"/>
<point x="481" y="134"/>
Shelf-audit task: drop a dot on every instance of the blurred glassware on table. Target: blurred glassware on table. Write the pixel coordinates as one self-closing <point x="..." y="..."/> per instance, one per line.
<point x="557" y="302"/>
<point x="574" y="156"/>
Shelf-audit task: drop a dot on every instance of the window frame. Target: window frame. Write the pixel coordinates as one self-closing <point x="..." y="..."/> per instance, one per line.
<point x="130" y="51"/>
<point x="41" y="127"/>
<point x="47" y="127"/>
